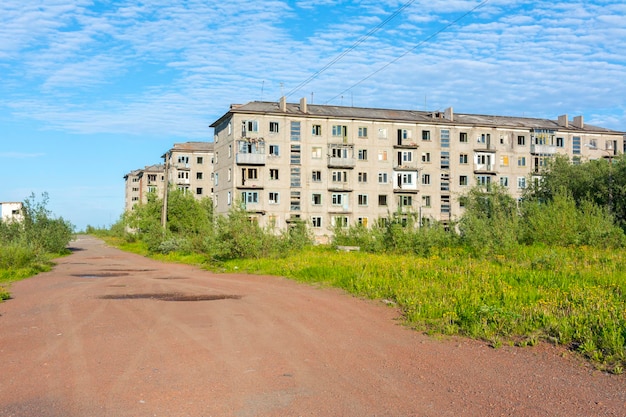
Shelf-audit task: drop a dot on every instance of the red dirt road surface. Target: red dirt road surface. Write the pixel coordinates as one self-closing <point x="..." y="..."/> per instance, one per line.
<point x="108" y="333"/>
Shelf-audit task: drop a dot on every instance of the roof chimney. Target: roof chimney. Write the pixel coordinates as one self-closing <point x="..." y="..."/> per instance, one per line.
<point x="449" y="114"/>
<point x="564" y="121"/>
<point x="283" y="104"/>
<point x="303" y="106"/>
<point x="578" y="122"/>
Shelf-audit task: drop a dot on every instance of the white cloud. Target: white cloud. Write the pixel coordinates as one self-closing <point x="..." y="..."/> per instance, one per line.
<point x="171" y="67"/>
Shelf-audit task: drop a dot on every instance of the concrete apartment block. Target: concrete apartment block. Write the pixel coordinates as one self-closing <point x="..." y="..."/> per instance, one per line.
<point x="335" y="165"/>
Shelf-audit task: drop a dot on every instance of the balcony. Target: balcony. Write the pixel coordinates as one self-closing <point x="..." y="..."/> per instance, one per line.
<point x="405" y="144"/>
<point x="250" y="159"/>
<point x="542" y="149"/>
<point x="336" y="162"/>
<point x="405" y="166"/>
<point x="484" y="147"/>
<point x="484" y="168"/>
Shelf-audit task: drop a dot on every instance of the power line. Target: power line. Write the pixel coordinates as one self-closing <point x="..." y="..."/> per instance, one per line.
<point x="443" y="29"/>
<point x="351" y="48"/>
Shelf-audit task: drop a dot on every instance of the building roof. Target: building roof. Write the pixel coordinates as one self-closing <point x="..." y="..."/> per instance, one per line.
<point x="409" y="116"/>
<point x="148" y="168"/>
<point x="193" y="147"/>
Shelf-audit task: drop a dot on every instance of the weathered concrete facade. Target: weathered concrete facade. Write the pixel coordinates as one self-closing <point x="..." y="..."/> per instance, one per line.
<point x="331" y="165"/>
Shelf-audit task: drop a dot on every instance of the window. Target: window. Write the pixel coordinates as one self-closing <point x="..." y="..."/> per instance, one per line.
<point x="576" y="145"/>
<point x="182" y="175"/>
<point x="274" y="197"/>
<point x="295" y="155"/>
<point x="317" y="130"/>
<point x="362" y="199"/>
<point x="483" y="180"/>
<point x="445" y="182"/>
<point x="199" y="160"/>
<point x="521" y="161"/>
<point x="406" y="201"/>
<point x="383" y="178"/>
<point x="250" y="197"/>
<point x="425" y="157"/>
<point x="463" y="180"/>
<point x="182" y="159"/>
<point x="404" y="134"/>
<point x="445" y="160"/>
<point x="382" y="155"/>
<point x="316" y="222"/>
<point x="382" y="200"/>
<point x="504" y="160"/>
<point x="340" y="131"/>
<point x="463" y="158"/>
<point x="521" y="182"/>
<point x="338" y="199"/>
<point x="362" y="154"/>
<point x="362" y="177"/>
<point x="250" y="126"/>
<point x="339" y="152"/>
<point x="295" y="131"/>
<point x="426" y="179"/>
<point x="229" y="175"/>
<point x="560" y="142"/>
<point x="273" y="174"/>
<point x="316" y="199"/>
<point x="463" y="137"/>
<point x="340" y="176"/>
<point x="426" y="201"/>
<point x="425" y="134"/>
<point x="250" y="173"/>
<point x="316" y="176"/>
<point x="316" y="152"/>
<point x="273" y="127"/>
<point x="445" y="138"/>
<point x="198" y="175"/>
<point x="362" y="132"/>
<point x="274" y="150"/>
<point x="340" y="221"/>
<point x="295" y="201"/>
<point x="405" y="156"/>
<point x="521" y="140"/>
<point x="216" y="178"/>
<point x="295" y="177"/>
<point x="405" y="179"/>
<point x="362" y="221"/>
<point x="445" y="204"/>
<point x="382" y="133"/>
<point x="504" y="181"/>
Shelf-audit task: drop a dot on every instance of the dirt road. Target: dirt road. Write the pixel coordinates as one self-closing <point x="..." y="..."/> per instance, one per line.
<point x="108" y="333"/>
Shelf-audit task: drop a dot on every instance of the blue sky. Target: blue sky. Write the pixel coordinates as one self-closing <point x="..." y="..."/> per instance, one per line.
<point x="91" y="90"/>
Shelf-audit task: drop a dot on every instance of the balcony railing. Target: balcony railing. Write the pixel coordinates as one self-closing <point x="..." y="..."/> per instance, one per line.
<point x="543" y="149"/>
<point x="484" y="167"/>
<point x="250" y="159"/>
<point x="335" y="162"/>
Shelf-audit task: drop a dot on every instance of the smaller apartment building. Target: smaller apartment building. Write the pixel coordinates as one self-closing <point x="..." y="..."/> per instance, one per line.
<point x="332" y="165"/>
<point x="141" y="182"/>
<point x="188" y="167"/>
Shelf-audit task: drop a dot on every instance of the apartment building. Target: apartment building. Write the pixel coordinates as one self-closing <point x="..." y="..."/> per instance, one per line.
<point x="141" y="182"/>
<point x="189" y="167"/>
<point x="335" y="165"/>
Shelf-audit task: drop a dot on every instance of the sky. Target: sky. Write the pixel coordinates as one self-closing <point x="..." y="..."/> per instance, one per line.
<point x="91" y="90"/>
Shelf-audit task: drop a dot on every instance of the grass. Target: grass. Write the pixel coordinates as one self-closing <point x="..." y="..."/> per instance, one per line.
<point x="17" y="263"/>
<point x="575" y="297"/>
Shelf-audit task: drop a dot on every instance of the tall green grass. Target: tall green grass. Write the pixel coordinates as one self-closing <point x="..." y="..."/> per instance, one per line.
<point x="568" y="296"/>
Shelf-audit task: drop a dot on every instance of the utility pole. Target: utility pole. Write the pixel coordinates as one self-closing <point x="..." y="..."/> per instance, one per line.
<point x="166" y="187"/>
